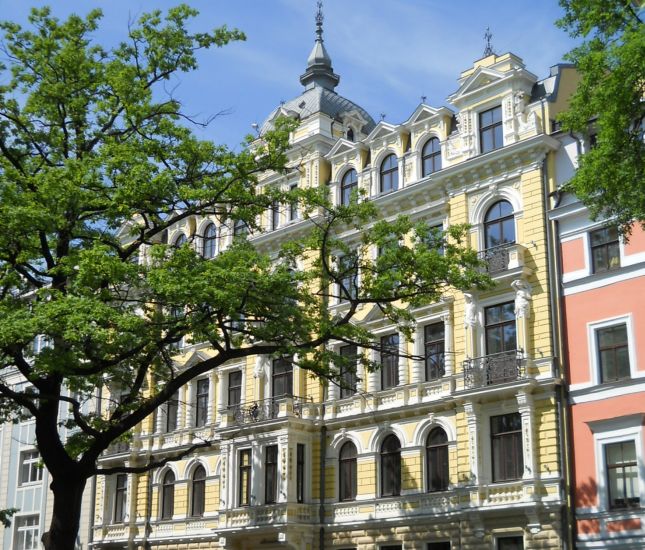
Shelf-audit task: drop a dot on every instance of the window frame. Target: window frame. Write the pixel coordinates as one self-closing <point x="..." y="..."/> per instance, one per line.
<point x="171" y="412"/>
<point x="614" y="243"/>
<point x="434" y="344"/>
<point x="201" y="402"/>
<point x="274" y="211"/>
<point x="245" y="474"/>
<point x="167" y="494"/>
<point x="347" y="472"/>
<point x="389" y="175"/>
<point x="507" y="537"/>
<point x="592" y="338"/>
<point x="348" y="187"/>
<point x="493" y="127"/>
<point x="209" y="241"/>
<point x="348" y="285"/>
<point x="389" y="370"/>
<point x="610" y="498"/>
<point x="434" y="462"/>
<point x="198" y="511"/>
<point x="120" y="504"/>
<point x="624" y="345"/>
<point x="499" y="221"/>
<point x="29" y="464"/>
<point x="287" y="375"/>
<point x="506" y="438"/>
<point x="348" y="376"/>
<point x="431" y="156"/>
<point x="271" y="480"/>
<point x="234" y="390"/>
<point x="294" y="207"/>
<point x="390" y="462"/>
<point x="502" y="324"/>
<point x="21" y="529"/>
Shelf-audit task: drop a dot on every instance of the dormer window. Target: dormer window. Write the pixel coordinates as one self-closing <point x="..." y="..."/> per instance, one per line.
<point x="389" y="174"/>
<point x="431" y="157"/>
<point x="350" y="134"/>
<point x="490" y="129"/>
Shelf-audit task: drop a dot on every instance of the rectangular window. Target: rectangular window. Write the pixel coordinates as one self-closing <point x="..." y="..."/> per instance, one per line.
<point x="27" y="533"/>
<point x="605" y="249"/>
<point x="271" y="474"/>
<point x="348" y="371"/>
<point x="120" y="497"/>
<point x="293" y="205"/>
<point x="240" y="228"/>
<point x="234" y="388"/>
<point x="438" y="546"/>
<point x="201" y="408"/>
<point x="622" y="475"/>
<point x="30" y="470"/>
<point x="389" y="361"/>
<point x="275" y="215"/>
<point x="490" y="129"/>
<point x="501" y="332"/>
<point x="348" y="276"/>
<point x="171" y="409"/>
<point x="434" y="350"/>
<point x="510" y="543"/>
<point x="300" y="472"/>
<point x="613" y="353"/>
<point x="282" y="377"/>
<point x="506" y="445"/>
<point x="244" y="496"/>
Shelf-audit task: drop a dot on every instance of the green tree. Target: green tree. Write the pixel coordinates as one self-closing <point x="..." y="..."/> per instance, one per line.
<point x="609" y="102"/>
<point x="98" y="162"/>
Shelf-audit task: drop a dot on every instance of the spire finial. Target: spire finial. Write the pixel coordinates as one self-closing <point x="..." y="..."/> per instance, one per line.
<point x="488" y="49"/>
<point x="319" y="21"/>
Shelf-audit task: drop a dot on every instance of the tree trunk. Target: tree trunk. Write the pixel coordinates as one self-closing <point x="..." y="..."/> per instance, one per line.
<point x="68" y="497"/>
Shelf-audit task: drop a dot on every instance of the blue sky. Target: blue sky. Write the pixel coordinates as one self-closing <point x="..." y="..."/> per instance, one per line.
<point x="388" y="53"/>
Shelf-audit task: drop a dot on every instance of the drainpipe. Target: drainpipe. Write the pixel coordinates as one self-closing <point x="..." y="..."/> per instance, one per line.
<point x="553" y="253"/>
<point x="321" y="510"/>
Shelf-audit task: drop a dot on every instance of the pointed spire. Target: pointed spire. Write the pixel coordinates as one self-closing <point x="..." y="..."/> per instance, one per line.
<point x="488" y="37"/>
<point x="319" y="70"/>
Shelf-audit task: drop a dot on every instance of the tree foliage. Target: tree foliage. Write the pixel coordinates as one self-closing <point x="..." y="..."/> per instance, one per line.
<point x="610" y="103"/>
<point x="98" y="164"/>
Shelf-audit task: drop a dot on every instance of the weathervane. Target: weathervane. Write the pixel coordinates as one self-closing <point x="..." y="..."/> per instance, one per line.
<point x="319" y="19"/>
<point x="488" y="50"/>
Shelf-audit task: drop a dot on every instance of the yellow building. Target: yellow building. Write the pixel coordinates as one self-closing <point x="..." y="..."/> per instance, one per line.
<point x="455" y="442"/>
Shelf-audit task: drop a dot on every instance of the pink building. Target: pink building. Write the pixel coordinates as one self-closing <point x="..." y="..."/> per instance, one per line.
<point x="602" y="293"/>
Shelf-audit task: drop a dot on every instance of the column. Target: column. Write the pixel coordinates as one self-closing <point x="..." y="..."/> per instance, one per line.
<point x="210" y="412"/>
<point x="162" y="412"/>
<point x="190" y="405"/>
<point x="401" y="163"/>
<point x="449" y="350"/>
<point x="360" y="372"/>
<point x="374" y="378"/>
<point x="418" y="363"/>
<point x="403" y="360"/>
<point x="525" y="408"/>
<point x="182" y="408"/>
<point x="472" y="412"/>
<point x="221" y="378"/>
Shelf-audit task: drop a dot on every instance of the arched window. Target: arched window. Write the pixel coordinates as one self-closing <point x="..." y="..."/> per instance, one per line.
<point x="391" y="467"/>
<point x="350" y="134"/>
<point x="347" y="186"/>
<point x="499" y="225"/>
<point x="168" y="495"/>
<point x="198" y="496"/>
<point x="389" y="174"/>
<point x="347" y="468"/>
<point x="431" y="157"/>
<point x="437" y="460"/>
<point x="180" y="240"/>
<point x="210" y="241"/>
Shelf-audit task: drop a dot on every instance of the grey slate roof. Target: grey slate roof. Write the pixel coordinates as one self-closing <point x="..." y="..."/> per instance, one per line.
<point x="320" y="100"/>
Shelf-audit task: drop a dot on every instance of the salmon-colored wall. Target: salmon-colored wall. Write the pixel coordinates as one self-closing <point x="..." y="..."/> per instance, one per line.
<point x="588" y="526"/>
<point x="584" y="453"/>
<point x="573" y="255"/>
<point x="596" y="305"/>
<point x="636" y="241"/>
<point x="624" y="525"/>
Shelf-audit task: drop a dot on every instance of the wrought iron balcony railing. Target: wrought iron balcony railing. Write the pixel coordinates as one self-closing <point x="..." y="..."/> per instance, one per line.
<point x="501" y="258"/>
<point x="497" y="368"/>
<point x="267" y="409"/>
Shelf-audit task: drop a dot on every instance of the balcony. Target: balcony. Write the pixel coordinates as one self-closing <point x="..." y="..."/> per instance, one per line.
<point x="505" y="259"/>
<point x="497" y="368"/>
<point x="117" y="448"/>
<point x="267" y="515"/>
<point x="269" y="409"/>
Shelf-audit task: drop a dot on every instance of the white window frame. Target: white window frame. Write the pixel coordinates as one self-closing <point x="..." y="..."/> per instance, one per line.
<point x="476" y="112"/>
<point x="617" y="430"/>
<point x="480" y="329"/>
<point x="18" y="529"/>
<point x="592" y="343"/>
<point x="507" y="406"/>
<point x="30" y="461"/>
